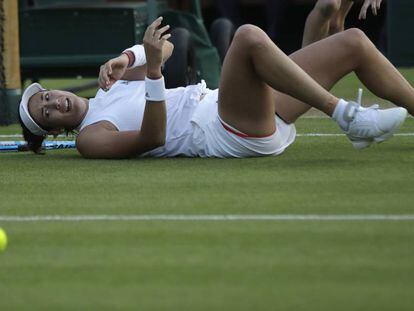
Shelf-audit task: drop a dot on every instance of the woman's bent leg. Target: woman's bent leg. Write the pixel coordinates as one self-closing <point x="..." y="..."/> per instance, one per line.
<point x="253" y="63"/>
<point x="327" y="61"/>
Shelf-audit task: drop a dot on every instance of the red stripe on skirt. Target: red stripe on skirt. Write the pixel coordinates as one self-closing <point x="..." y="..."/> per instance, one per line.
<point x="242" y="135"/>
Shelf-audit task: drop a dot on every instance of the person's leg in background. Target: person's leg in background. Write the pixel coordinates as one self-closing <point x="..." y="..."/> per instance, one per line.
<point x="318" y="23"/>
<point x="337" y="23"/>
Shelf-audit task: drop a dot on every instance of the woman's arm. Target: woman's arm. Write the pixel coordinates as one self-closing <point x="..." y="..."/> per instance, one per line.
<point x="103" y="140"/>
<point x="138" y="73"/>
<point x="117" y="68"/>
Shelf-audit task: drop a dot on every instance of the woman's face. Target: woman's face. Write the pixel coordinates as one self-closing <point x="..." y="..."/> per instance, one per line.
<point x="56" y="109"/>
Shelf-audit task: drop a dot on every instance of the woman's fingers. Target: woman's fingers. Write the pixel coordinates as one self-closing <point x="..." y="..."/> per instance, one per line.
<point x="100" y="79"/>
<point x="165" y="37"/>
<point x="104" y="75"/>
<point x="153" y="33"/>
<point x="154" y="39"/>
<point x="149" y="33"/>
<point x="109" y="68"/>
<point x="160" y="31"/>
<point x="107" y="73"/>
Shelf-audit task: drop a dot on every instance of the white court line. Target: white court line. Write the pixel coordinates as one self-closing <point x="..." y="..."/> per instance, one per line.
<point x="298" y="135"/>
<point x="321" y="116"/>
<point x="320" y="135"/>
<point x="335" y="135"/>
<point x="270" y="217"/>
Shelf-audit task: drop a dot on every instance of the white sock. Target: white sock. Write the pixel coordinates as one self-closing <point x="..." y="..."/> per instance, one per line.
<point x="339" y="114"/>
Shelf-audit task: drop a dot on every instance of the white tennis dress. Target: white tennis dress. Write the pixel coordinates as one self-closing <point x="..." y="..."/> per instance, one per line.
<point x="194" y="128"/>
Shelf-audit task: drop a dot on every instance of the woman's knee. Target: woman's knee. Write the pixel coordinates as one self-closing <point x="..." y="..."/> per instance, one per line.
<point x="355" y="39"/>
<point x="328" y="8"/>
<point x="249" y="36"/>
<point x="355" y="42"/>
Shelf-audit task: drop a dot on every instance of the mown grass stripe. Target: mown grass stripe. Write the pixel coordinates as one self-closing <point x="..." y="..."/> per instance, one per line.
<point x="259" y="217"/>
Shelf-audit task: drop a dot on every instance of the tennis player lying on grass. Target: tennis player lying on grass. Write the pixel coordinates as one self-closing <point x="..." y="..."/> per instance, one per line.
<point x="262" y="92"/>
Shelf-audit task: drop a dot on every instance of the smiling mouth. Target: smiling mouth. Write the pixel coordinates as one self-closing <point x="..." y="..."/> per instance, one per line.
<point x="68" y="105"/>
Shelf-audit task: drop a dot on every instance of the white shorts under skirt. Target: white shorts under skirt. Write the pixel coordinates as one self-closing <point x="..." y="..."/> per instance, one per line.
<point x="218" y="139"/>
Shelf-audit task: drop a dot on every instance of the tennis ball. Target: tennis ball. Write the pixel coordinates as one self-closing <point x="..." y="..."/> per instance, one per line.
<point x="3" y="240"/>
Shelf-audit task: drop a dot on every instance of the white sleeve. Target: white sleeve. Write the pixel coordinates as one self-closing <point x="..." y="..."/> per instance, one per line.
<point x="139" y="54"/>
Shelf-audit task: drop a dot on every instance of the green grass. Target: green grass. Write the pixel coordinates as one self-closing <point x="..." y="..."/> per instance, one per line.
<point x="244" y="265"/>
<point x="208" y="266"/>
<point x="324" y="174"/>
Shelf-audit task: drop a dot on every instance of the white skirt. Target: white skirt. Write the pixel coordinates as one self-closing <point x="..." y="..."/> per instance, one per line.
<point x="212" y="137"/>
<point x="194" y="129"/>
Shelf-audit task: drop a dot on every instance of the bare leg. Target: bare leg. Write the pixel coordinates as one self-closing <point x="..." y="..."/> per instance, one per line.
<point x="252" y="67"/>
<point x="337" y="23"/>
<point x="327" y="61"/>
<point x="318" y="21"/>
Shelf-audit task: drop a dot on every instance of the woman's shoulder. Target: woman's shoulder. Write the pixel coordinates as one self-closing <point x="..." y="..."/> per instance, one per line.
<point x="97" y="127"/>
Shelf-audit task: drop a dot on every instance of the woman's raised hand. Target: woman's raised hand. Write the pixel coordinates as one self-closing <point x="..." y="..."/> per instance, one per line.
<point x="112" y="71"/>
<point x="154" y="39"/>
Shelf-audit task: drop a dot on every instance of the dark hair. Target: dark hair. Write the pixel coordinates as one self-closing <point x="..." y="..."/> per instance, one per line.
<point x="34" y="142"/>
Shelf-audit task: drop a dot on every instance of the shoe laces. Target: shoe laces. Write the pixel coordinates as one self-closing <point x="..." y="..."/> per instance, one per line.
<point x="359" y="100"/>
<point x="355" y="107"/>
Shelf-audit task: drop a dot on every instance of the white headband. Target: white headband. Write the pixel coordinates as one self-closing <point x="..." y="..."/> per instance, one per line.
<point x="31" y="125"/>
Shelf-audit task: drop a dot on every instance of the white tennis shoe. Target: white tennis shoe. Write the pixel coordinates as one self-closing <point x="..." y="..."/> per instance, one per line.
<point x="369" y="125"/>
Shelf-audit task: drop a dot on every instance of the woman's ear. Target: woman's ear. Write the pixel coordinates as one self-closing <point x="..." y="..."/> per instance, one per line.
<point x="56" y="132"/>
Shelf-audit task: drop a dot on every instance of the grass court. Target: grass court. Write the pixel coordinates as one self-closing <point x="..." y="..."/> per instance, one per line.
<point x="200" y="263"/>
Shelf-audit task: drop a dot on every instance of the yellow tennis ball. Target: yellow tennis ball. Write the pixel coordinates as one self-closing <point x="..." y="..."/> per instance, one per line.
<point x="3" y="240"/>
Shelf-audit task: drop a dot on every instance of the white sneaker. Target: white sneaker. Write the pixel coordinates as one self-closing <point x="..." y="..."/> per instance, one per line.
<point x="369" y="125"/>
